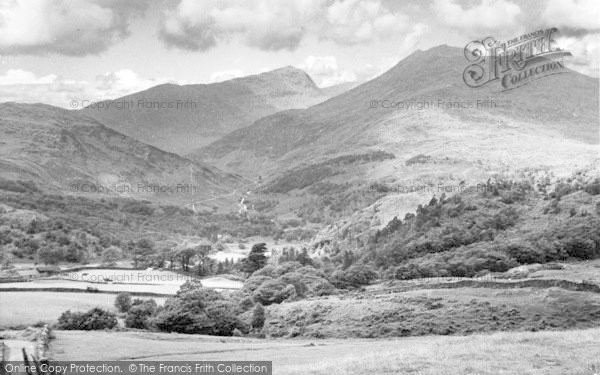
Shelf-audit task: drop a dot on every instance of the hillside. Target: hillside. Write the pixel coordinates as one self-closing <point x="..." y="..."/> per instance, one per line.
<point x="66" y="151"/>
<point x="549" y="123"/>
<point x="183" y="118"/>
<point x="498" y="226"/>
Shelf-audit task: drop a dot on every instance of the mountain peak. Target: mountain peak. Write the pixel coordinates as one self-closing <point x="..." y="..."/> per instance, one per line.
<point x="289" y="74"/>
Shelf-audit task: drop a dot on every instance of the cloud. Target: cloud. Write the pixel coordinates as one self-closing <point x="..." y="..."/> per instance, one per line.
<point x="324" y="70"/>
<point x="68" y="27"/>
<point x="122" y="82"/>
<point x="573" y="15"/>
<point x="265" y="24"/>
<point x="274" y="25"/>
<point x="586" y="53"/>
<point x="488" y="16"/>
<point x="225" y="75"/>
<point x="356" y="21"/>
<point x="25" y="87"/>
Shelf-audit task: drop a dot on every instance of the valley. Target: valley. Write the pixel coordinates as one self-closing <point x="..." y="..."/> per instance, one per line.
<point x="346" y="229"/>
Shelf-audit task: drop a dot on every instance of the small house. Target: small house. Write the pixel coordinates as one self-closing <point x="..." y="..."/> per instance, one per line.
<point x="205" y="246"/>
<point x="48" y="270"/>
<point x="28" y="274"/>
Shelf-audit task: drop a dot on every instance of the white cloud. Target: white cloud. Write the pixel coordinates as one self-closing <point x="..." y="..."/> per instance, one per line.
<point x="573" y="14"/>
<point x="225" y="75"/>
<point x="586" y="53"/>
<point x="265" y="24"/>
<point x="356" y="21"/>
<point x="69" y="27"/>
<point x="23" y="77"/>
<point x="25" y="87"/>
<point x="277" y="25"/>
<point x="324" y="70"/>
<point x="488" y="16"/>
<point x="122" y="82"/>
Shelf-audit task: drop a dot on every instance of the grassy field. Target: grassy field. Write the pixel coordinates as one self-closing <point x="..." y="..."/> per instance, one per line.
<point x="27" y="308"/>
<point x="141" y="281"/>
<point x="387" y="313"/>
<point x="574" y="352"/>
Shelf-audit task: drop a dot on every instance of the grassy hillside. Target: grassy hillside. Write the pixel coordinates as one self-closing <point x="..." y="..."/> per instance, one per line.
<point x="550" y="123"/>
<point x="79" y="229"/>
<point x="532" y="353"/>
<point x="67" y="151"/>
<point x="491" y="228"/>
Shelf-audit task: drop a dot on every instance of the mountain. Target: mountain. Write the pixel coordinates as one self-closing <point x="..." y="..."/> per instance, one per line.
<point x="63" y="150"/>
<point x="181" y="119"/>
<point x="550" y="122"/>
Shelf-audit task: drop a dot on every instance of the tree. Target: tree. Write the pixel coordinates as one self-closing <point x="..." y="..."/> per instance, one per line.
<point x="139" y="313"/>
<point x="123" y="302"/>
<point x="185" y="256"/>
<point x="111" y="255"/>
<point x="274" y="291"/>
<point x="93" y="319"/>
<point x="303" y="258"/>
<point x="200" y="311"/>
<point x="258" y="316"/>
<point x="143" y="250"/>
<point x="256" y="259"/>
<point x="49" y="255"/>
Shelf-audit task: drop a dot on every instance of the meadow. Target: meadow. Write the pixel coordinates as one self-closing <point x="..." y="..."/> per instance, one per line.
<point x="28" y="308"/>
<point x="574" y="352"/>
<point x="156" y="282"/>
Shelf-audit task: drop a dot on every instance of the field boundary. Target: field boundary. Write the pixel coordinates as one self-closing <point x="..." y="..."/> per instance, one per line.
<point x="77" y="290"/>
<point x="531" y="283"/>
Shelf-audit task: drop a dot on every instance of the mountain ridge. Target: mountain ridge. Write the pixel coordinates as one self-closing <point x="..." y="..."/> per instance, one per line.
<point x="562" y="105"/>
<point x="181" y="118"/>
<point x="64" y="150"/>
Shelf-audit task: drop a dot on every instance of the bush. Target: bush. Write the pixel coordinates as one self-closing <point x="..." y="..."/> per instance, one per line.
<point x="245" y="304"/>
<point x="258" y="317"/>
<point x="274" y="291"/>
<point x="123" y="302"/>
<point x="93" y="319"/>
<point x="200" y="311"/>
<point x="354" y="276"/>
<point x="139" y="313"/>
<point x="224" y="319"/>
<point x="525" y="253"/>
<point x="253" y="282"/>
<point x="295" y="279"/>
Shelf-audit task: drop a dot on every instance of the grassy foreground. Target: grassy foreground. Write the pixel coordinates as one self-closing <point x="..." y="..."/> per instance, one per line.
<point x="575" y="352"/>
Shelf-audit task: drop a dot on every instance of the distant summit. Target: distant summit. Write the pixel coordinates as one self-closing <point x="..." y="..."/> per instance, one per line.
<point x="422" y="106"/>
<point x="183" y="118"/>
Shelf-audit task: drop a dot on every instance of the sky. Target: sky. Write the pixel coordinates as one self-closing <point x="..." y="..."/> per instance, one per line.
<point x="62" y="52"/>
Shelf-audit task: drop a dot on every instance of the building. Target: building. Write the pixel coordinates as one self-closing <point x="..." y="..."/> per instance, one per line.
<point x="205" y="246"/>
<point x="28" y="274"/>
<point x="48" y="270"/>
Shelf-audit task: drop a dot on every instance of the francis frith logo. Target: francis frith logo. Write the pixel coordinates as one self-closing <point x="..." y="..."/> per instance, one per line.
<point x="514" y="63"/>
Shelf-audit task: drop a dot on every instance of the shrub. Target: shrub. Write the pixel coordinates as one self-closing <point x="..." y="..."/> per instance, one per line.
<point x="139" y="313"/>
<point x="295" y="279"/>
<point x="258" y="317"/>
<point x="354" y="276"/>
<point x="123" y="302"/>
<point x="253" y="282"/>
<point x="93" y="319"/>
<point x="274" y="291"/>
<point x="201" y="311"/>
<point x="525" y="253"/>
<point x="224" y="319"/>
